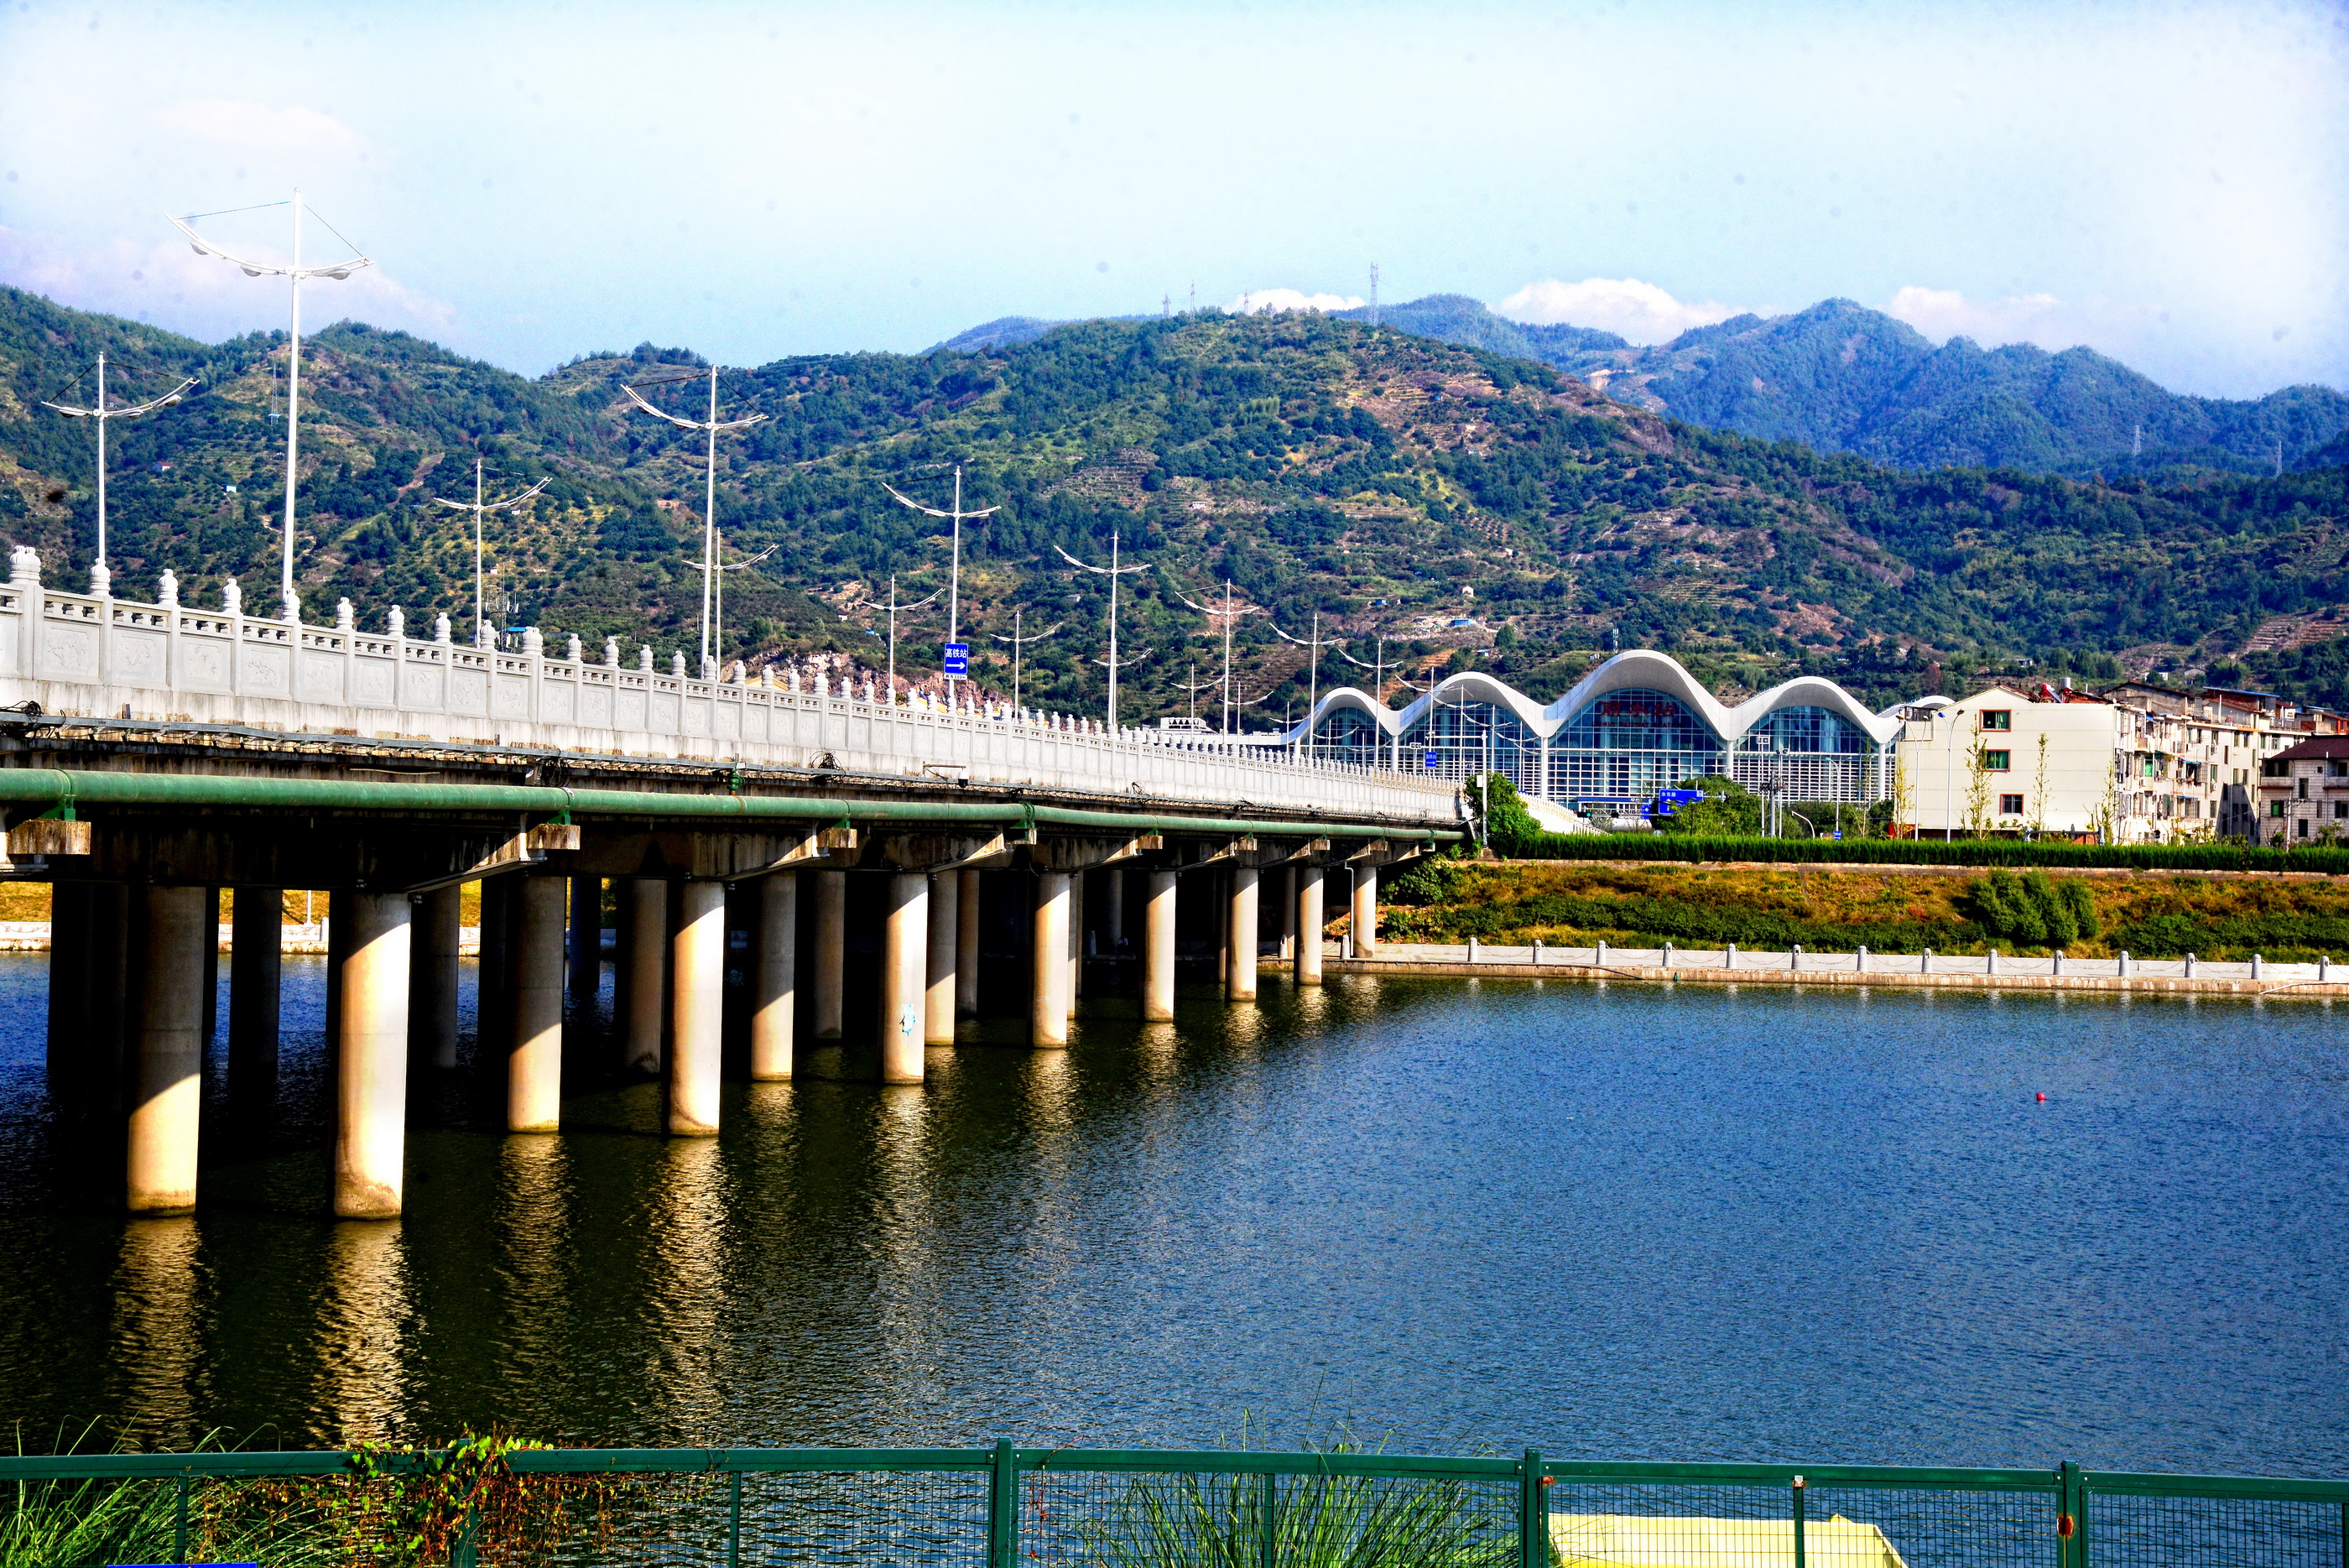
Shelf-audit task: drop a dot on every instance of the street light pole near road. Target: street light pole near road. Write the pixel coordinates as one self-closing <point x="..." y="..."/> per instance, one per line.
<point x="1019" y="642"/>
<point x="101" y="413"/>
<point x="710" y="506"/>
<point x="1112" y="572"/>
<point x="1228" y="615"/>
<point x="477" y="506"/>
<point x="953" y="577"/>
<point x="294" y="275"/>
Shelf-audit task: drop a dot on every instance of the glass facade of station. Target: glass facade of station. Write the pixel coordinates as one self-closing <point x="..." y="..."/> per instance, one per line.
<point x="1348" y="736"/>
<point x="1807" y="753"/>
<point x="1461" y="740"/>
<point x="1622" y="748"/>
<point x="1626" y="745"/>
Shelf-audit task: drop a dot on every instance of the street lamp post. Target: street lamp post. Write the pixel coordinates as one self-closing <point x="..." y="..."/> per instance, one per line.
<point x="711" y="425"/>
<point x="894" y="607"/>
<point x="1112" y="572"/>
<point x="1317" y="642"/>
<point x="1018" y="642"/>
<point x="477" y="506"/>
<point x="953" y="577"/>
<point x="718" y="595"/>
<point x="1229" y="614"/>
<point x="101" y="413"/>
<point x="295" y="276"/>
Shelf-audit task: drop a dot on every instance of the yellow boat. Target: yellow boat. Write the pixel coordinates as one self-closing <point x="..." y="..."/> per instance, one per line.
<point x="1642" y="1540"/>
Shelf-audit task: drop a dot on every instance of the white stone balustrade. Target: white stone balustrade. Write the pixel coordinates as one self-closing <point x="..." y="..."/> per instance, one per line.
<point x="96" y="656"/>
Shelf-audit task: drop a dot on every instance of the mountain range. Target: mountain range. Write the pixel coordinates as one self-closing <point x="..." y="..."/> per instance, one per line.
<point x="1429" y="504"/>
<point x="1839" y="377"/>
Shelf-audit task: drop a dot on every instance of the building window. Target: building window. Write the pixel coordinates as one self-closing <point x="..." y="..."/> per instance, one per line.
<point x="1998" y="719"/>
<point x="2275" y="808"/>
<point x="2010" y="805"/>
<point x="1997" y="762"/>
<point x="2341" y="811"/>
<point x="2302" y="827"/>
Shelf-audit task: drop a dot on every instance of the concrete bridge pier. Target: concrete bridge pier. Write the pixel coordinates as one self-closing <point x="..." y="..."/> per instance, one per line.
<point x="1113" y="918"/>
<point x="831" y="952"/>
<point x="586" y="965"/>
<point x="168" y="1060"/>
<point x="535" y="1055"/>
<point x="945" y="940"/>
<point x="904" y="948"/>
<point x="1240" y="936"/>
<point x="646" y="960"/>
<point x="1076" y="938"/>
<point x="1290" y="925"/>
<point x="1308" y="946"/>
<point x="774" y="977"/>
<point x="371" y="1055"/>
<point x="1048" y="1011"/>
<point x="434" y="968"/>
<point x="1366" y="907"/>
<point x="492" y="1000"/>
<point x="1158" y="948"/>
<point x="967" y="944"/>
<point x="696" y="1008"/>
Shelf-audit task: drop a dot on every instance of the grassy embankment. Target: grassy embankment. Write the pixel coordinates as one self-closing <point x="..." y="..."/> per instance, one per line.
<point x="2150" y="915"/>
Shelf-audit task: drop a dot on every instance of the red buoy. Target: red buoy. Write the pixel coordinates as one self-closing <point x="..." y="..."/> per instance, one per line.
<point x="2042" y="1096"/>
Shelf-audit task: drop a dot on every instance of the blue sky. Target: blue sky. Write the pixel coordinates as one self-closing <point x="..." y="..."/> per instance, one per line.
<point x="2168" y="184"/>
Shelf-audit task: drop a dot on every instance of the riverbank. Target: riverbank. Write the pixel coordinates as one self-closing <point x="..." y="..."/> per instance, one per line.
<point x="1991" y="970"/>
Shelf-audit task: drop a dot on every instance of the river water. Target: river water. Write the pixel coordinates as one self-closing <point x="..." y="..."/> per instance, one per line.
<point x="1608" y="1221"/>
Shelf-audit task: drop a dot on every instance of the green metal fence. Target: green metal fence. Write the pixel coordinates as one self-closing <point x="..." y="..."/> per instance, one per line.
<point x="1007" y="1506"/>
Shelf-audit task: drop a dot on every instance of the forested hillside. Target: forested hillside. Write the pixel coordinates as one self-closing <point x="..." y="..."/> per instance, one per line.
<point x="1396" y="484"/>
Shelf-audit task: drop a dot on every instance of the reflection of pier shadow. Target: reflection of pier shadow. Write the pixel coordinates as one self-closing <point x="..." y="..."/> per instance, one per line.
<point x="687" y="1288"/>
<point x="362" y="1350"/>
<point x="158" y="1333"/>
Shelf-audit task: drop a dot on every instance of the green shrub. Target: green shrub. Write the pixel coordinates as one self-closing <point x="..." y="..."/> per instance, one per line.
<point x="2330" y="860"/>
<point x="2035" y="909"/>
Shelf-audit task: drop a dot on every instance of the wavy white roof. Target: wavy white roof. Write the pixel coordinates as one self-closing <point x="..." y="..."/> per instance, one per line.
<point x="1640" y="669"/>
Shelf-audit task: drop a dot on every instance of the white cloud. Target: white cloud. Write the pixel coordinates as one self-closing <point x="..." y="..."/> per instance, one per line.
<point x="1942" y="314"/>
<point x="165" y="283"/>
<point x="1631" y="309"/>
<point x="1271" y="299"/>
<point x="251" y="126"/>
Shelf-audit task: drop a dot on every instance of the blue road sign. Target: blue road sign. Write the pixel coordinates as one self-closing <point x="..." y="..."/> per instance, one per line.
<point x="1430" y="761"/>
<point x="957" y="659"/>
<point x="1669" y="799"/>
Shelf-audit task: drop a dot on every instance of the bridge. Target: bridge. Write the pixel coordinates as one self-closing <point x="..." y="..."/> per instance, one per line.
<point x="152" y="755"/>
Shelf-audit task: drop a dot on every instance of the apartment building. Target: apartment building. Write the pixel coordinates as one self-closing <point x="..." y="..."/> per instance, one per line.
<point x="2304" y="792"/>
<point x="2136" y="764"/>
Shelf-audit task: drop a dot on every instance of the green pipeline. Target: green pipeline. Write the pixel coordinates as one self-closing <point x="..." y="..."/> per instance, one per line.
<point x="65" y="792"/>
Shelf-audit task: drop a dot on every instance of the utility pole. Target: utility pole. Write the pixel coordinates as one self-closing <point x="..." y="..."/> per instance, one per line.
<point x="1019" y="642"/>
<point x="477" y="506"/>
<point x="295" y="276"/>
<point x="712" y="425"/>
<point x="954" y="579"/>
<point x="1228" y="614"/>
<point x="1112" y="572"/>
<point x="101" y="413"/>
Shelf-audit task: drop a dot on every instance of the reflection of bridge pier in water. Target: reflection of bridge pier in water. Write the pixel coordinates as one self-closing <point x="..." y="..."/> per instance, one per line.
<point x="401" y="770"/>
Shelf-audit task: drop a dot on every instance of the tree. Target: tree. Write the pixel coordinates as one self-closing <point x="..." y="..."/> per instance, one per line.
<point x="1978" y="791"/>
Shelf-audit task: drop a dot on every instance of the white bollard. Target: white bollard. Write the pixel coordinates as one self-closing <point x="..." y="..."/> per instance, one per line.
<point x="1537" y="952"/>
<point x="1859" y="961"/>
<point x="2190" y="965"/>
<point x="1925" y="962"/>
<point x="1598" y="955"/>
<point x="1795" y="959"/>
<point x="1990" y="964"/>
<point x="1472" y="950"/>
<point x="2323" y="969"/>
<point x="1668" y="955"/>
<point x="2259" y="969"/>
<point x="1729" y="957"/>
<point x="2122" y="964"/>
